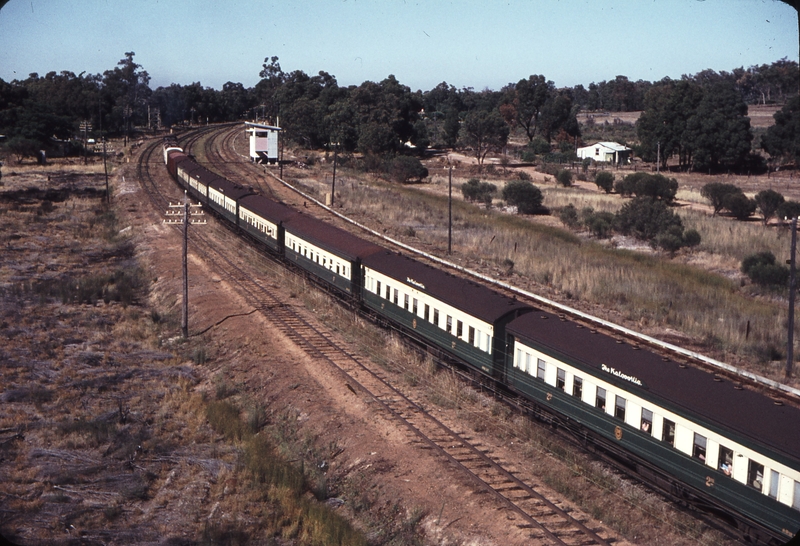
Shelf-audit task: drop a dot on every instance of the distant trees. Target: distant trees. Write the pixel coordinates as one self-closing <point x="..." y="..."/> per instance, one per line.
<point x="716" y="192"/>
<point x="768" y="203"/>
<point x="405" y="169"/>
<point x="782" y="140"/>
<point x="484" y="132"/>
<point x="706" y="126"/>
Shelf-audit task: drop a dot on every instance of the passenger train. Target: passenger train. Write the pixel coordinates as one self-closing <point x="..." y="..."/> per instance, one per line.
<point x="705" y="440"/>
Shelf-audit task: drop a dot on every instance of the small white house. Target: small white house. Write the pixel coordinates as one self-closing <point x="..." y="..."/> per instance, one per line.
<point x="263" y="142"/>
<point x="606" y="152"/>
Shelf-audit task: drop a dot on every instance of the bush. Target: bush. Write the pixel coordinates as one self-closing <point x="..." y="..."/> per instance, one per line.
<point x="523" y="195"/>
<point x="768" y="203"/>
<point x="645" y="219"/>
<point x="569" y="216"/>
<point x="604" y="181"/>
<point x="716" y="192"/>
<point x="599" y="224"/>
<point x="789" y="209"/>
<point x="739" y="205"/>
<point x="654" y="186"/>
<point x="762" y="269"/>
<point x="691" y="238"/>
<point x="405" y="169"/>
<point x="475" y="190"/>
<point x="564" y="177"/>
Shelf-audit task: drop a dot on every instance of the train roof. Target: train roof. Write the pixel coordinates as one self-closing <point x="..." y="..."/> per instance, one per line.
<point x="331" y="238"/>
<point x="266" y="208"/>
<point x="474" y="299"/>
<point x="695" y="391"/>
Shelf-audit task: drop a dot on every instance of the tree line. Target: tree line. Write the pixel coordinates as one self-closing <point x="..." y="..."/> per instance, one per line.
<point x="699" y="119"/>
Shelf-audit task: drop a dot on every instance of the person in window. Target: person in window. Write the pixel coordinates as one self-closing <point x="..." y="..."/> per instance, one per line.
<point x="726" y="468"/>
<point x="757" y="483"/>
<point x="646" y="426"/>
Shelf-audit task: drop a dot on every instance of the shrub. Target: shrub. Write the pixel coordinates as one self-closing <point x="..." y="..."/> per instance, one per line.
<point x="645" y="219"/>
<point x="654" y="186"/>
<point x="604" y="181"/>
<point x="569" y="216"/>
<point x="475" y="190"/>
<point x="768" y="202"/>
<point x="599" y="224"/>
<point x="564" y="177"/>
<point x="789" y="209"/>
<point x="691" y="238"/>
<point x="523" y="195"/>
<point x="739" y="205"/>
<point x="405" y="169"/>
<point x="762" y="269"/>
<point x="716" y="193"/>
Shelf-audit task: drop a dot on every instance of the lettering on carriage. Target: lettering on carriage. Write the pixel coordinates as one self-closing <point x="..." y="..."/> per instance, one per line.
<point x="626" y="377"/>
<point x="409" y="280"/>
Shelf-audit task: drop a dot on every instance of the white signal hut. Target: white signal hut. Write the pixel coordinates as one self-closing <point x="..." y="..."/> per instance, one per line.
<point x="263" y="142"/>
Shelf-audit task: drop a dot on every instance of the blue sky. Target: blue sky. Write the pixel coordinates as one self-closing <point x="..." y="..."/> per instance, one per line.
<point x="469" y="43"/>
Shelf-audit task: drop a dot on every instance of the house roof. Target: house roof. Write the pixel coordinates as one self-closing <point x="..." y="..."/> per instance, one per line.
<point x="613" y="146"/>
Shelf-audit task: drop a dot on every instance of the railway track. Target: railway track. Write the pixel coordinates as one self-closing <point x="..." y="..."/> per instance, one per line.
<point x="529" y="507"/>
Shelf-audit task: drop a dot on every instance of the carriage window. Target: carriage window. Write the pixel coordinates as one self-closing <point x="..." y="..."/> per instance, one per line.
<point x="541" y="367"/>
<point x="699" y="449"/>
<point x="518" y="362"/>
<point x="459" y="328"/>
<point x="528" y="368"/>
<point x="414" y="306"/>
<point x="774" y="479"/>
<point x="449" y="324"/>
<point x="396" y="296"/>
<point x="561" y="378"/>
<point x="669" y="432"/>
<point x="427" y="312"/>
<point x="471" y="335"/>
<point x="725" y="463"/>
<point x="405" y="302"/>
<point x="647" y="421"/>
<point x="577" y="387"/>
<point x="388" y="292"/>
<point x="378" y="290"/>
<point x="796" y="501"/>
<point x="436" y="317"/>
<point x="755" y="475"/>
<point x="337" y="269"/>
<point x="619" y="408"/>
<point x="600" y="401"/>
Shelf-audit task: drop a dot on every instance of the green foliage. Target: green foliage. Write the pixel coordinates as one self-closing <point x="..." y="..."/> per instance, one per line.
<point x="739" y="205"/>
<point x="604" y="181"/>
<point x="762" y="269"/>
<point x="523" y="195"/>
<point x="781" y="139"/>
<point x="484" y="132"/>
<point x="569" y="216"/>
<point x="599" y="224"/>
<point x="406" y="169"/>
<point x="475" y="190"/>
<point x="716" y="192"/>
<point x="654" y="186"/>
<point x="706" y="126"/>
<point x="789" y="209"/>
<point x="564" y="177"/>
<point x="644" y="218"/>
<point x="768" y="202"/>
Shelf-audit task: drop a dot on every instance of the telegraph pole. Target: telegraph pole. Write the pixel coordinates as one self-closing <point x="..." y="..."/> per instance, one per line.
<point x="333" y="182"/>
<point x="450" y="212"/>
<point x="189" y="210"/>
<point x="792" y="290"/>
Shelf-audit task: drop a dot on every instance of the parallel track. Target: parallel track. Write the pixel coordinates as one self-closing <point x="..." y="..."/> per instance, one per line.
<point x="543" y="519"/>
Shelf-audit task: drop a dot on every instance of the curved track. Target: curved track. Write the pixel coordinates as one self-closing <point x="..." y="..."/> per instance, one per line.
<point x="532" y="510"/>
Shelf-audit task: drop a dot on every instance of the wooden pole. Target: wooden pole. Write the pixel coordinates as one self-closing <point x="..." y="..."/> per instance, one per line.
<point x="450" y="212"/>
<point x="185" y="313"/>
<point x="333" y="183"/>
<point x="792" y="290"/>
